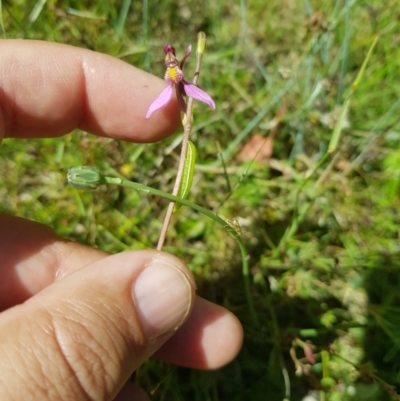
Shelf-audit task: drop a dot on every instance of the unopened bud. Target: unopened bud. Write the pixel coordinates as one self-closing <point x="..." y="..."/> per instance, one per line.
<point x="183" y="118"/>
<point x="201" y="43"/>
<point x="84" y="177"/>
<point x="169" y="49"/>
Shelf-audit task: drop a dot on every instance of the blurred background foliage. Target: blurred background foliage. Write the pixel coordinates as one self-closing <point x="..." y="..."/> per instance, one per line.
<point x="325" y="276"/>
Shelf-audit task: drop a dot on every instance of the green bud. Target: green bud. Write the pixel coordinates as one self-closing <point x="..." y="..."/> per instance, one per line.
<point x="201" y="42"/>
<point x="84" y="177"/>
<point x="328" y="382"/>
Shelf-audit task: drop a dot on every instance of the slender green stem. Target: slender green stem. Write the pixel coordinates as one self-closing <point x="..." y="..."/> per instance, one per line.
<point x="325" y="363"/>
<point x="145" y="33"/>
<point x="123" y="14"/>
<point x="344" y="51"/>
<point x="2" y="29"/>
<point x="214" y="217"/>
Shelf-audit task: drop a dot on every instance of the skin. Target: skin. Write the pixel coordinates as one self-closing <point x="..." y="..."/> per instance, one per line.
<point x="69" y="327"/>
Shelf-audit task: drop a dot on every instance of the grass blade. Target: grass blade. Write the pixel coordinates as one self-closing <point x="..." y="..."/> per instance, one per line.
<point x="123" y="14"/>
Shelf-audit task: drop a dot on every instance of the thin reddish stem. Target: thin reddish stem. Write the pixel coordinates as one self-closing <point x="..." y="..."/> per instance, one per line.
<point x="185" y="141"/>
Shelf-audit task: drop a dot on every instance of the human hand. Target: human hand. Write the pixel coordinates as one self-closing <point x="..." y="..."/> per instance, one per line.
<point x="76" y="322"/>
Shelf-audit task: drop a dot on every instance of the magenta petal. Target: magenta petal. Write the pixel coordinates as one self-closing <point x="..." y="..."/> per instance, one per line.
<point x="161" y="101"/>
<point x="198" y="94"/>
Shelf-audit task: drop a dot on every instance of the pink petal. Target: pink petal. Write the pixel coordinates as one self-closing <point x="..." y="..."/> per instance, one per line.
<point x="163" y="99"/>
<point x="187" y="54"/>
<point x="198" y="94"/>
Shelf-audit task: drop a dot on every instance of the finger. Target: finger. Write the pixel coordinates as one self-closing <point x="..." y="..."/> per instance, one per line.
<point x="49" y="89"/>
<point x="215" y="345"/>
<point x="33" y="257"/>
<point x="82" y="337"/>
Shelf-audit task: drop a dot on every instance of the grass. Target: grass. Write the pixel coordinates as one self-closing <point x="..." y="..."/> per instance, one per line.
<point x="280" y="69"/>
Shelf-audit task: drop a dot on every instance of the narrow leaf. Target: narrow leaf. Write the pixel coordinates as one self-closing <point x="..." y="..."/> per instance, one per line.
<point x="188" y="172"/>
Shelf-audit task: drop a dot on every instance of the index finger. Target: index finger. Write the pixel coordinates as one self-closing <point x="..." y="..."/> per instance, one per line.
<point x="47" y="90"/>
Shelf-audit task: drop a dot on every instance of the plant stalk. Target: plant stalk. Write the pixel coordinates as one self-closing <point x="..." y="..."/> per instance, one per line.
<point x="188" y="123"/>
<point x="243" y="251"/>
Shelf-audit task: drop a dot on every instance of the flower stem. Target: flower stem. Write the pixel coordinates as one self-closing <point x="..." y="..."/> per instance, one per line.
<point x="243" y="251"/>
<point x="188" y="123"/>
<point x="85" y="177"/>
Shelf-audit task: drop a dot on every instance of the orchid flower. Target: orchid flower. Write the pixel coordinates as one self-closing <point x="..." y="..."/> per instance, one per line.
<point x="174" y="77"/>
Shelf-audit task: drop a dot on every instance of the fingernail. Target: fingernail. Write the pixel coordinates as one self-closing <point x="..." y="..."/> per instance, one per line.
<point x="162" y="295"/>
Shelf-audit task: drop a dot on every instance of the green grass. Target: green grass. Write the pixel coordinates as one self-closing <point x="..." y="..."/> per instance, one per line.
<point x="335" y="279"/>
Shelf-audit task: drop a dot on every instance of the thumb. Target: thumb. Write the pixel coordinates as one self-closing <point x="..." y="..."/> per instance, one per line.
<point x="83" y="336"/>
